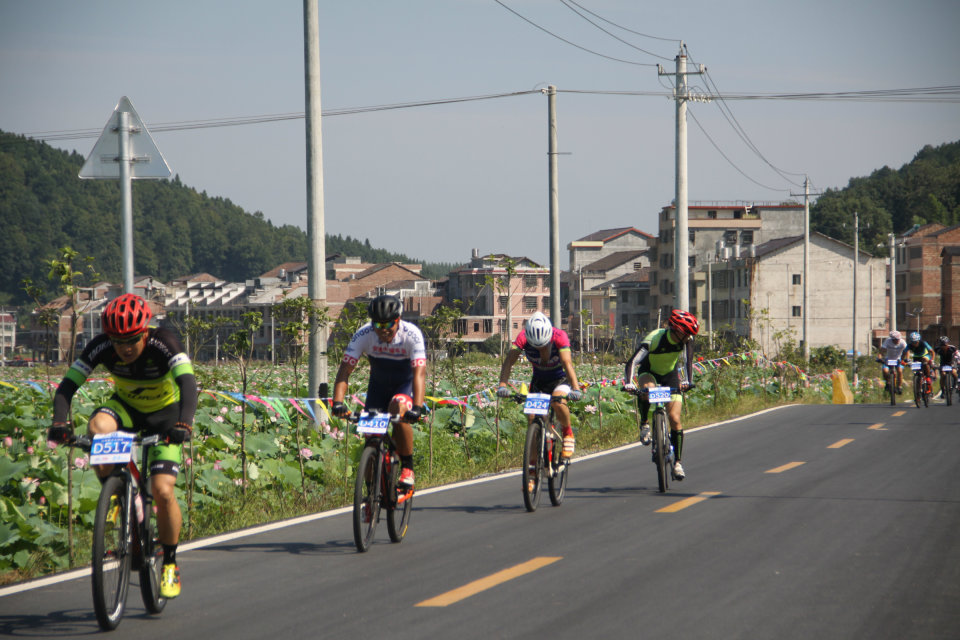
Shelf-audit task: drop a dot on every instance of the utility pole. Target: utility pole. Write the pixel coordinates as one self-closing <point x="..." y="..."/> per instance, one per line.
<point x="681" y="225"/>
<point x="806" y="265"/>
<point x="856" y="259"/>
<point x="554" y="207"/>
<point x="316" y="258"/>
<point x="893" y="283"/>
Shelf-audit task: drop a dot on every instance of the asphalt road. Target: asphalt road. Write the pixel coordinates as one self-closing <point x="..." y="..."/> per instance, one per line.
<point x="803" y="522"/>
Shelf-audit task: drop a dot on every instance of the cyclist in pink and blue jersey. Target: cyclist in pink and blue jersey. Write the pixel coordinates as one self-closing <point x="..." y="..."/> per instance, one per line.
<point x="548" y="350"/>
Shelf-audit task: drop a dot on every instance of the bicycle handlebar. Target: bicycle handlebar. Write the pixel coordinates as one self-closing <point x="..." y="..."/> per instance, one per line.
<point x="642" y="391"/>
<point x="85" y="442"/>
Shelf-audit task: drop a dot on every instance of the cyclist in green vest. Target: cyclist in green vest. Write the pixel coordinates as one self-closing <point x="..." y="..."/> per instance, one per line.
<point x="664" y="358"/>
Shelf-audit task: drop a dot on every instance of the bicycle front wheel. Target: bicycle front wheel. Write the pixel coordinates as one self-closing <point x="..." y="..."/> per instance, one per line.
<point x="661" y="450"/>
<point x="366" y="498"/>
<point x="917" y="390"/>
<point x="891" y="386"/>
<point x="947" y="387"/>
<point x="558" y="479"/>
<point x="110" y="562"/>
<point x="151" y="564"/>
<point x="532" y="465"/>
<point x="398" y="513"/>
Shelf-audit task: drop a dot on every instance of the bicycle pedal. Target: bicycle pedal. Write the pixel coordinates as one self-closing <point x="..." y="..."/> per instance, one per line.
<point x="403" y="496"/>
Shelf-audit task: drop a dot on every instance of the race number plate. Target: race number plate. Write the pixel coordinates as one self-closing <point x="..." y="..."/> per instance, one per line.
<point x="537" y="404"/>
<point x="946" y="368"/>
<point x="916" y="366"/>
<point x="659" y="395"/>
<point x="111" y="448"/>
<point x="376" y="424"/>
<point x="892" y="363"/>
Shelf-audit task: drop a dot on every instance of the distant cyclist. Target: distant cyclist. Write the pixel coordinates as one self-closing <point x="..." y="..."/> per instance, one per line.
<point x="921" y="352"/>
<point x="548" y="350"/>
<point x="664" y="358"/>
<point x="154" y="389"/>
<point x="949" y="355"/>
<point x="398" y="374"/>
<point x="892" y="348"/>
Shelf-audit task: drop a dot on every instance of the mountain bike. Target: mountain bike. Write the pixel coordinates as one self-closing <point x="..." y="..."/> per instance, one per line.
<point x="891" y="378"/>
<point x="661" y="450"/>
<point x="376" y="486"/>
<point x="921" y="389"/>
<point x="542" y="451"/>
<point x="948" y="382"/>
<point x="124" y="526"/>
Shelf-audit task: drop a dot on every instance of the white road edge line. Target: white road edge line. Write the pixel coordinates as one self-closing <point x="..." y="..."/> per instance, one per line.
<point x="273" y="526"/>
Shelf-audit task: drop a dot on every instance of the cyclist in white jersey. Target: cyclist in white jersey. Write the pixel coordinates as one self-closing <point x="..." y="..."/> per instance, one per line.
<point x="893" y="348"/>
<point x="398" y="374"/>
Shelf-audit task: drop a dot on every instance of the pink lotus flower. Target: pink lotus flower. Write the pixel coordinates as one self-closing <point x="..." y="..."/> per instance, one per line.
<point x="217" y="466"/>
<point x="80" y="462"/>
<point x="30" y="450"/>
<point x="218" y="419"/>
<point x="224" y="409"/>
<point x="42" y="500"/>
<point x="188" y="462"/>
<point x="8" y="441"/>
<point x="306" y="453"/>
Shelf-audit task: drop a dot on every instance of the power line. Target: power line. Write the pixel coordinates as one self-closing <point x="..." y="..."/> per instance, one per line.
<point x="572" y="44"/>
<point x="622" y="27"/>
<point x="568" y="4"/>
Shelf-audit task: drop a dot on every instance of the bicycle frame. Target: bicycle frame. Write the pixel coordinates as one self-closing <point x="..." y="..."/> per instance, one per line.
<point x="548" y="460"/>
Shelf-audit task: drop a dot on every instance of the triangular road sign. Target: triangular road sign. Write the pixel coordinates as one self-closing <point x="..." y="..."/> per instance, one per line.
<point x="104" y="161"/>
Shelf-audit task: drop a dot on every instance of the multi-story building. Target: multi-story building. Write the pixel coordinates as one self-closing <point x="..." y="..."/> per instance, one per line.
<point x="921" y="293"/>
<point x="496" y="287"/>
<point x="590" y="305"/>
<point x="716" y="230"/>
<point x="759" y="295"/>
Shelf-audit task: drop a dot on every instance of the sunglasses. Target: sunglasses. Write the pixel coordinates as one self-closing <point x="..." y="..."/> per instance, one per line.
<point x="126" y="341"/>
<point x="384" y="325"/>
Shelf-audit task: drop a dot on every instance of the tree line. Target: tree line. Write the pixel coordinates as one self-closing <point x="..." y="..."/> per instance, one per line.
<point x="178" y="231"/>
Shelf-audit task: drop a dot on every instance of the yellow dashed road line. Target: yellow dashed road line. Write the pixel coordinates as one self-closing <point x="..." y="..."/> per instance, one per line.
<point x="840" y="443"/>
<point x="683" y="504"/>
<point x="489" y="582"/>
<point x="786" y="467"/>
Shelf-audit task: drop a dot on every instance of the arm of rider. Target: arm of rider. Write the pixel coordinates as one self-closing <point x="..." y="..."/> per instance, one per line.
<point x="180" y="433"/>
<point x="419" y="392"/>
<point x="511" y="359"/>
<point x="59" y="432"/>
<point x="567" y="361"/>
<point x="337" y="408"/>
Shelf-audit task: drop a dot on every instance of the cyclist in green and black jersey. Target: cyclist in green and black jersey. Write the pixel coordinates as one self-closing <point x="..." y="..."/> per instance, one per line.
<point x="665" y="358"/>
<point x="154" y="389"/>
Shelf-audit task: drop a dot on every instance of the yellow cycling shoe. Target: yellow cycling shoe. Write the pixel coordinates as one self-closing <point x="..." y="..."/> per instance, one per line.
<point x="170" y="581"/>
<point x="113" y="514"/>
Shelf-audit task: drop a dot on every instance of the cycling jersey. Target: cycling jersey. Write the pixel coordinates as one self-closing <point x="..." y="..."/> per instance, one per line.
<point x="391" y="363"/>
<point x="949" y="355"/>
<point x="893" y="348"/>
<point x="160" y="377"/>
<point x="919" y="352"/>
<point x="659" y="355"/>
<point x="552" y="367"/>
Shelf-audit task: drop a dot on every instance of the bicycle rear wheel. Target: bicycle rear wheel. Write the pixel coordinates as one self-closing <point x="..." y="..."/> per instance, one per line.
<point x="366" y="498"/>
<point x="532" y="465"/>
<point x="661" y="449"/>
<point x="151" y="564"/>
<point x="558" y="480"/>
<point x="110" y="562"/>
<point x="398" y="513"/>
<point x="948" y="388"/>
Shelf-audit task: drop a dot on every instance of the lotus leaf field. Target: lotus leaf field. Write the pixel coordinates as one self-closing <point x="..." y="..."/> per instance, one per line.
<point x="275" y="453"/>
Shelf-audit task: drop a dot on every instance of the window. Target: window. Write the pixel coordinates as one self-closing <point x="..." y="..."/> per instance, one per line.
<point x="915" y="252"/>
<point x="476" y="327"/>
<point x="530" y="283"/>
<point x="488" y="325"/>
<point x="637" y="266"/>
<point x="746" y="237"/>
<point x="796" y="279"/>
<point x="692" y="261"/>
<point x="624" y="320"/>
<point x="712" y="215"/>
<point x="796" y="312"/>
<point x="529" y="303"/>
<point x="502" y="304"/>
<point x="730" y="237"/>
<point x="624" y="295"/>
<point x="738" y="214"/>
<point x="693" y="234"/>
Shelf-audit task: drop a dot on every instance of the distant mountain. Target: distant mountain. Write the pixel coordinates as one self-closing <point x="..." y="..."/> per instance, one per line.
<point x="927" y="189"/>
<point x="177" y="231"/>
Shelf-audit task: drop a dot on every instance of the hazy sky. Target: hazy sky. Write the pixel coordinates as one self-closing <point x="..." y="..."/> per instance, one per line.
<point x="436" y="181"/>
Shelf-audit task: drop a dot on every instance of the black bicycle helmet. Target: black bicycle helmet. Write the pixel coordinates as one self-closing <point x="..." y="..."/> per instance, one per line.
<point x="384" y="309"/>
<point x="943" y="341"/>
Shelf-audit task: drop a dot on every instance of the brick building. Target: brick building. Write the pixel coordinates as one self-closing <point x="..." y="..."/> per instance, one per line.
<point x="921" y="289"/>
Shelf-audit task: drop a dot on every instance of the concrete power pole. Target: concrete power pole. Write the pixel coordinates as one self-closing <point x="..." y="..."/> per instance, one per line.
<point x="554" y="208"/>
<point x="893" y="283"/>
<point x="681" y="227"/>
<point x="316" y="259"/>
<point x="806" y="265"/>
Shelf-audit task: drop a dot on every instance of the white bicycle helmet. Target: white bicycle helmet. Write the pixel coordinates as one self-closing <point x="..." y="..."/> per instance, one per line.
<point x="895" y="335"/>
<point x="539" y="330"/>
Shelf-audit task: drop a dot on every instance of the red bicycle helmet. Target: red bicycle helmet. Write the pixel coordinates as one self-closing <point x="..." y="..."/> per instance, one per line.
<point x="683" y="323"/>
<point x="126" y="316"/>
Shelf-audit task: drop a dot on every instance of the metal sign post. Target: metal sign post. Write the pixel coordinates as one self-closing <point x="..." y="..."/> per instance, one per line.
<point x="125" y="151"/>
